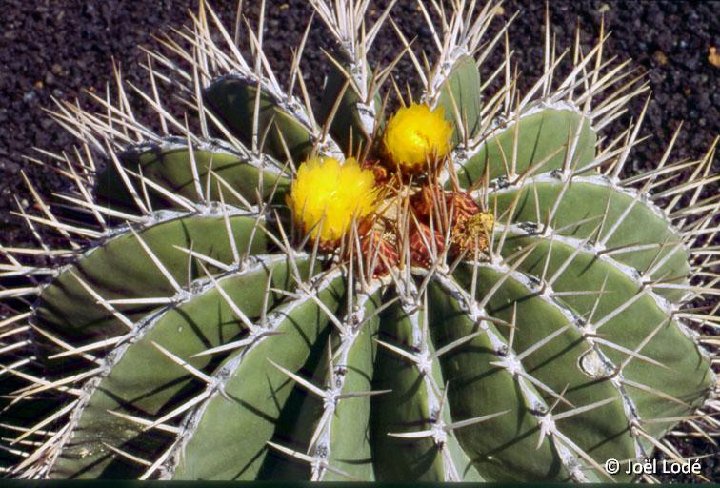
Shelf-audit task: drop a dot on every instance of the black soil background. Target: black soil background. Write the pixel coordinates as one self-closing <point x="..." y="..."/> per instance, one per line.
<point x="63" y="49"/>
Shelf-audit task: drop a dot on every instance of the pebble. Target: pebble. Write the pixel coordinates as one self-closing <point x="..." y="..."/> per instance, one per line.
<point x="29" y="97"/>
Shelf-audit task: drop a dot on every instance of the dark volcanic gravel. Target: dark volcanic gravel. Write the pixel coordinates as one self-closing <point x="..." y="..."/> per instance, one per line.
<point x="61" y="48"/>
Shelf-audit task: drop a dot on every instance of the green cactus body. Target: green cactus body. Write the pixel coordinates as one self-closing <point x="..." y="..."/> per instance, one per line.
<point x="178" y="165"/>
<point x="203" y="335"/>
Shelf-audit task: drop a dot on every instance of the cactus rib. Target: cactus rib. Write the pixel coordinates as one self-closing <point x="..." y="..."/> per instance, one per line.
<point x="475" y="292"/>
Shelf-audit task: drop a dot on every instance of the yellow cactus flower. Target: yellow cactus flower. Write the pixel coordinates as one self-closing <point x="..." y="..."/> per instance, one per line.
<point x="416" y="137"/>
<point x="326" y="195"/>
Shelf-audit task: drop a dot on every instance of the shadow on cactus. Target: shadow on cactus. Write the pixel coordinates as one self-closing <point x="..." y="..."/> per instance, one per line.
<point x="464" y="288"/>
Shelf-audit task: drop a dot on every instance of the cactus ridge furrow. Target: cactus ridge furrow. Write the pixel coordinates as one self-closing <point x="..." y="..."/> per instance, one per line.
<point x="345" y="365"/>
<point x="532" y="408"/>
<point x="289" y="104"/>
<point x="105" y="367"/>
<point x="612" y="220"/>
<point x="411" y="393"/>
<point x="115" y="363"/>
<point x="460" y="99"/>
<point x="155" y="272"/>
<point x="358" y="115"/>
<point x="145" y="222"/>
<point x="500" y="155"/>
<point x="583" y="247"/>
<point x="611" y="315"/>
<point x="535" y="361"/>
<point x="429" y="430"/>
<point x="173" y="458"/>
<point x="362" y="100"/>
<point x="240" y="69"/>
<point x="424" y="363"/>
<point x="288" y="119"/>
<point x="338" y="430"/>
<point x="194" y="171"/>
<point x="326" y="399"/>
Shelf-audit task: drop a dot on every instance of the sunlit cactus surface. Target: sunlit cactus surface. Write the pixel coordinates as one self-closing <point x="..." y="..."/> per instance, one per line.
<point x="460" y="283"/>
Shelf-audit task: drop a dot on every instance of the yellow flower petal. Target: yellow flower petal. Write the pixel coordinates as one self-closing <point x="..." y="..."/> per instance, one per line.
<point x="326" y="195"/>
<point x="416" y="137"/>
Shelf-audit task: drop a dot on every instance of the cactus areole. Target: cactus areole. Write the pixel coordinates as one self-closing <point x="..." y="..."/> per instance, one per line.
<point x="466" y="288"/>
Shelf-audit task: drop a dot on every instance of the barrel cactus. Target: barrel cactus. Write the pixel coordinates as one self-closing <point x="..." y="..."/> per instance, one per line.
<point x="455" y="284"/>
